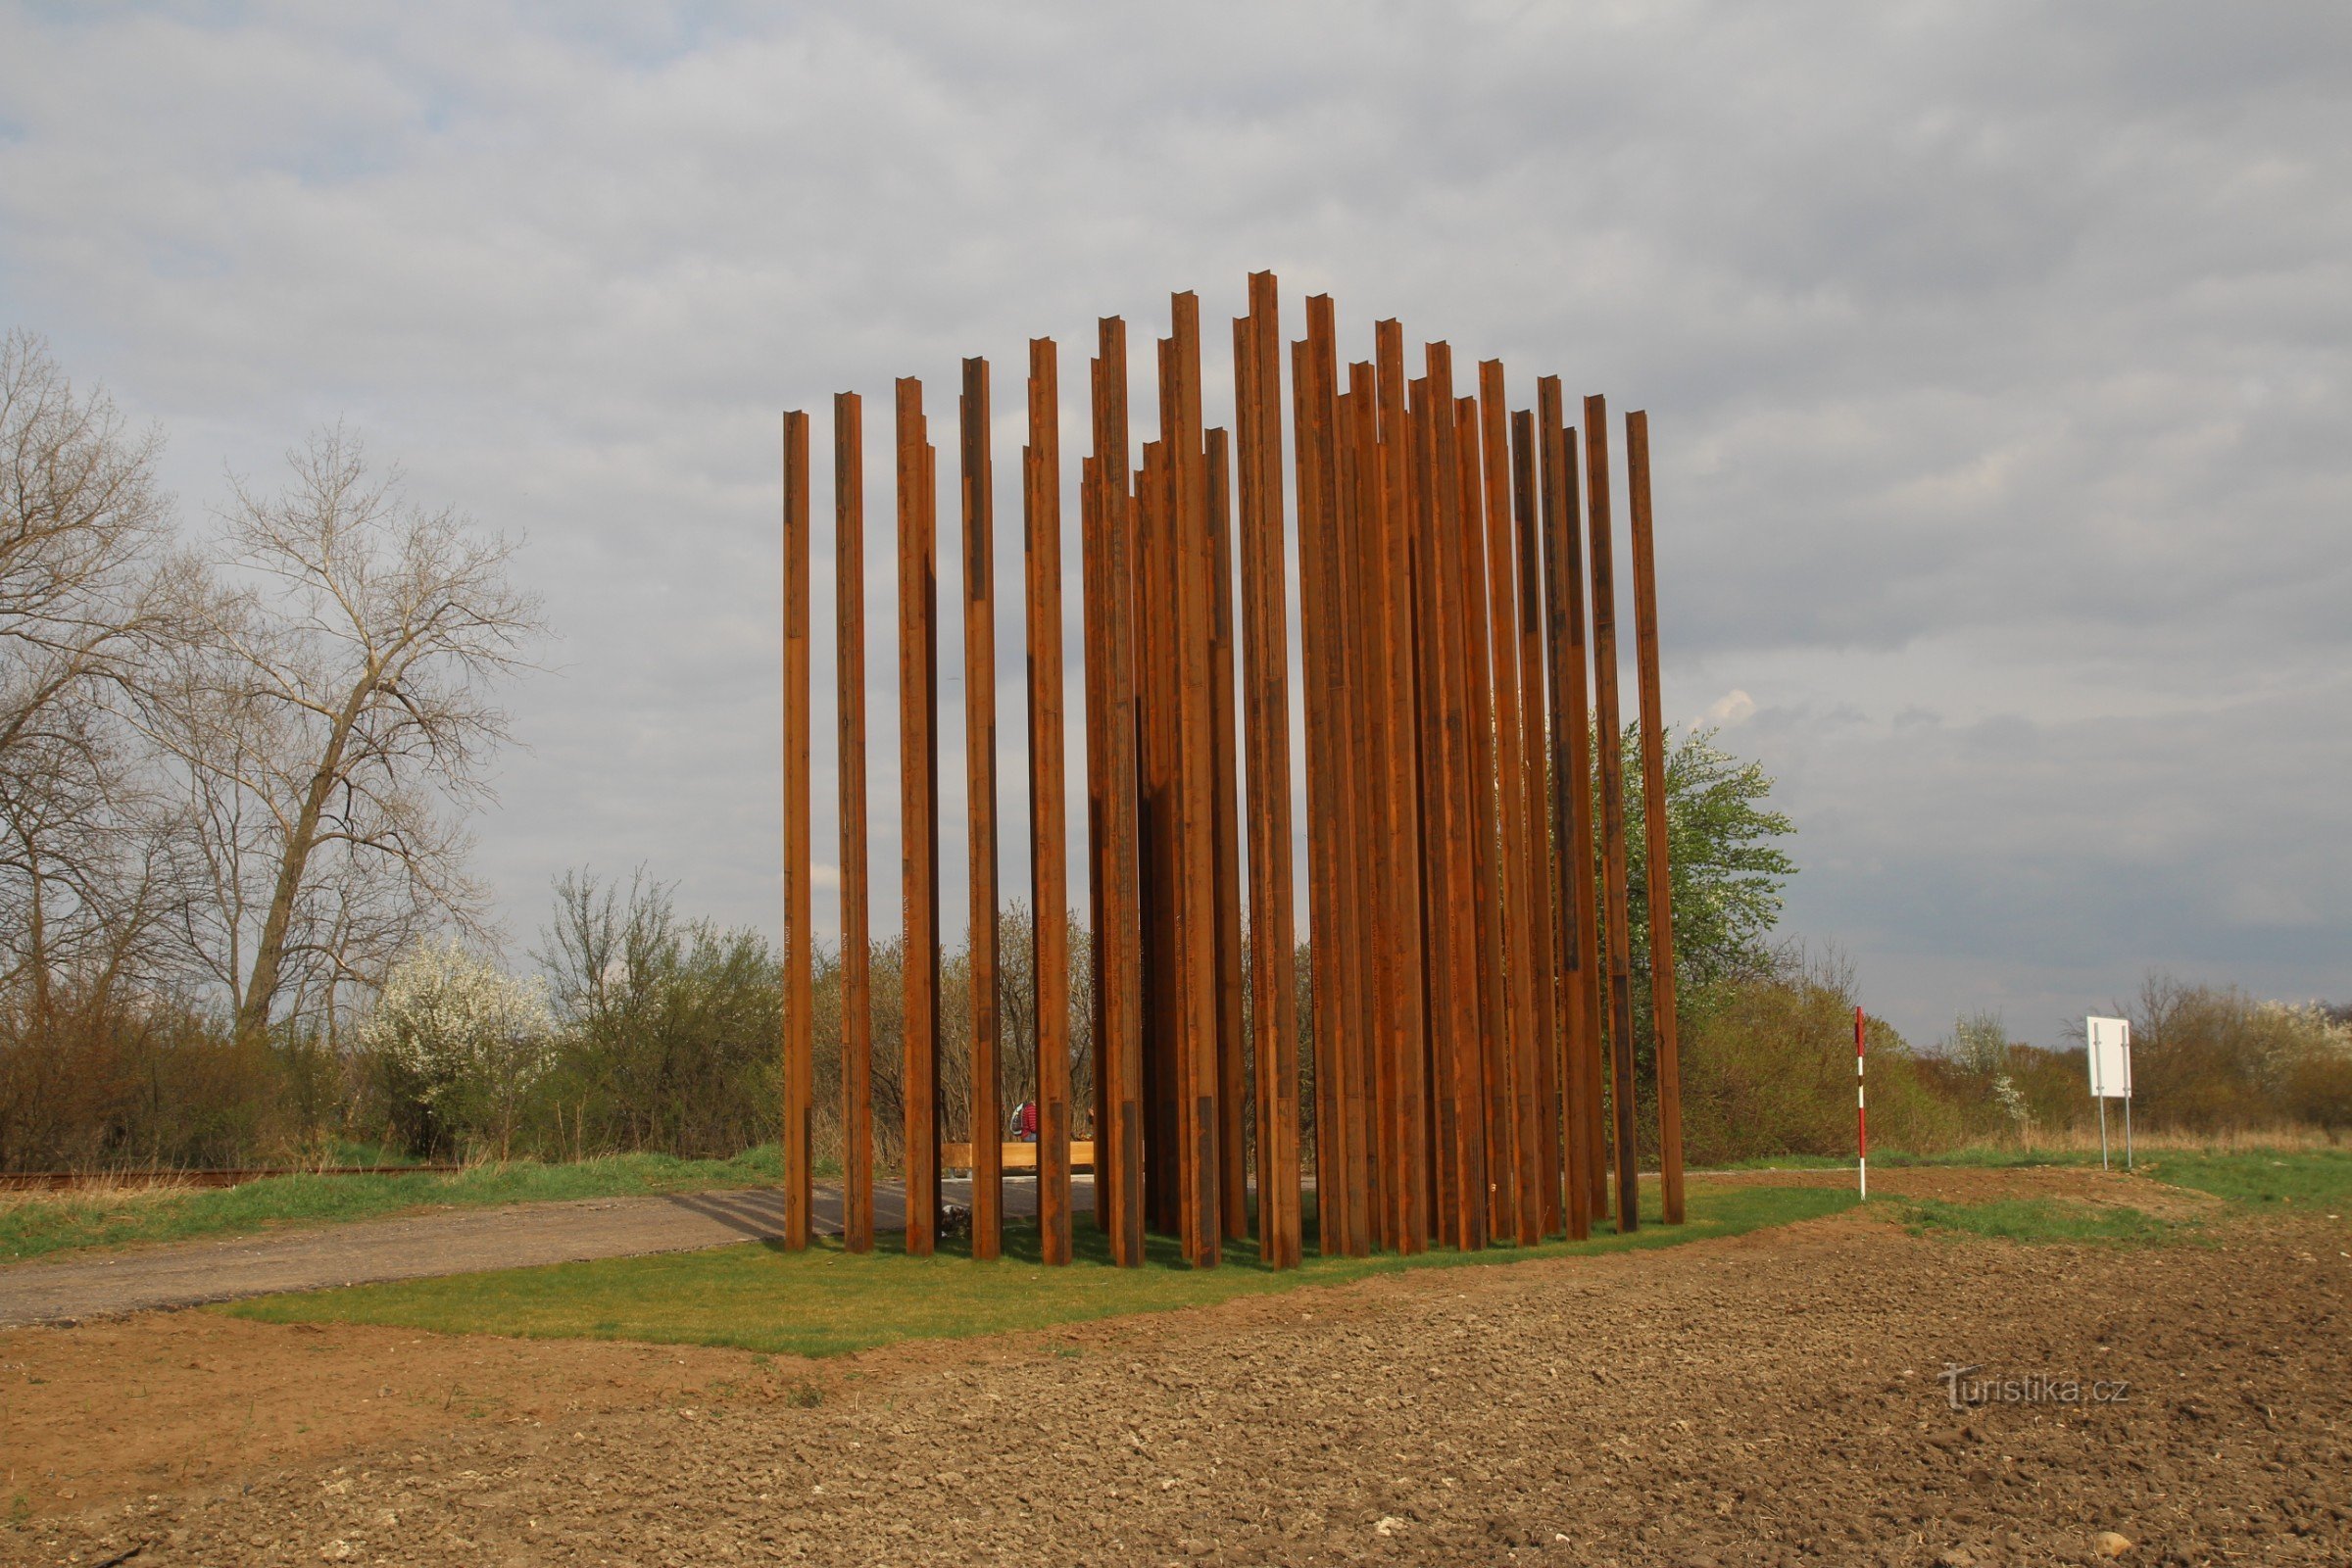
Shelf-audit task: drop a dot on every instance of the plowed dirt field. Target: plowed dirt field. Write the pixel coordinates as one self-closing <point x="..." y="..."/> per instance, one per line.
<point x="1773" y="1398"/>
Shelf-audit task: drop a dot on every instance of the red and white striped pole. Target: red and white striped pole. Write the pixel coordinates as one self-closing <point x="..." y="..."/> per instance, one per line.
<point x="1861" y="1112"/>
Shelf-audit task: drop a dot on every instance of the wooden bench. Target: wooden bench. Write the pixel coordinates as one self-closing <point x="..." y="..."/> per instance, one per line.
<point x="1017" y="1156"/>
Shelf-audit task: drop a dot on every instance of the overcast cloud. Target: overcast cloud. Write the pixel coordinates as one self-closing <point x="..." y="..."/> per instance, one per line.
<point x="1996" y="357"/>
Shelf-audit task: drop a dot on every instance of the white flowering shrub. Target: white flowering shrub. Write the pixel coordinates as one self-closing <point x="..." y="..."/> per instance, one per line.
<point x="461" y="1043"/>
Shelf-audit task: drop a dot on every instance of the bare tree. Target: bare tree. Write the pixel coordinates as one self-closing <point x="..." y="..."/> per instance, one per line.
<point x="332" y="719"/>
<point x="87" y="587"/>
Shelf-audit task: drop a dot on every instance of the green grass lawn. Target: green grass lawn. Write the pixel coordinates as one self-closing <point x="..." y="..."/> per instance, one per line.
<point x="2314" y="1179"/>
<point x="34" y="1226"/>
<point x="825" y="1301"/>
<point x="2030" y="1219"/>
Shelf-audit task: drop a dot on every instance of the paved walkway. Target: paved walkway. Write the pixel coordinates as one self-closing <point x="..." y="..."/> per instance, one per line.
<point x="456" y="1241"/>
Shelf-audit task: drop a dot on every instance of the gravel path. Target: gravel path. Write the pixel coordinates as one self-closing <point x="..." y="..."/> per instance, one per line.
<point x="455" y="1240"/>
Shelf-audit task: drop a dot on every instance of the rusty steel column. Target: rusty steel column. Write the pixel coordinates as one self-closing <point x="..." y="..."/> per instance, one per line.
<point x="1654" y="822"/>
<point x="1233" y="1102"/>
<point x="1401" y="793"/>
<point x="1465" y="1039"/>
<point x="987" y="1129"/>
<point x="1517" y="864"/>
<point x="919" y="795"/>
<point x="1265" y="656"/>
<point x="1572" y="811"/>
<point x="1320" y="636"/>
<point x="800" y="1023"/>
<point x="1196" y="840"/>
<point x="1609" y="739"/>
<point x="1439" y="934"/>
<point x="1048" y="833"/>
<point x="1534" y="748"/>
<point x="1360" y="518"/>
<point x="1495" y="1124"/>
<point x="1091" y="642"/>
<point x="856" y="956"/>
<point x="1119" y="1144"/>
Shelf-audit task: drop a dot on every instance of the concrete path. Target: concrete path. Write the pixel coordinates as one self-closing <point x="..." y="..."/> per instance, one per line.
<point x="456" y="1241"/>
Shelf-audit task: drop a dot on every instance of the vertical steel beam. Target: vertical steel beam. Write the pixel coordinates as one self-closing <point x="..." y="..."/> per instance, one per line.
<point x="1393" y="630"/>
<point x="1486" y="821"/>
<point x="1441" y="934"/>
<point x="1572" y="811"/>
<point x="856" y="920"/>
<point x="1654" y="822"/>
<point x="980" y="775"/>
<point x="1119" y="1143"/>
<point x="800" y="1023"/>
<point x="918" y="794"/>
<point x="1535" y="747"/>
<point x="1610" y="740"/>
<point x="1461" y="614"/>
<point x="1049" y="834"/>
<point x="1265" y="656"/>
<point x="1517" y="864"/>
<point x="1377" y="982"/>
<point x="1196" y="876"/>
<point x="1092" y="638"/>
<point x="1233" y="1097"/>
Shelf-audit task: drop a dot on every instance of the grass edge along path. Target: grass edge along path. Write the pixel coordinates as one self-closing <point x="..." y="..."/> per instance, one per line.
<point x="757" y="1297"/>
<point x="44" y="1225"/>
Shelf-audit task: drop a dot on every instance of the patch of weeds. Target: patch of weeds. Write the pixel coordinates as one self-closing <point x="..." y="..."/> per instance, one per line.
<point x="1068" y="1352"/>
<point x="2031" y="1220"/>
<point x="804" y="1396"/>
<point x="20" y="1511"/>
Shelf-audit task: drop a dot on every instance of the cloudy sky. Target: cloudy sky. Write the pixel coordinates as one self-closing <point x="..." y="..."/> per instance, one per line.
<point x="1997" y="359"/>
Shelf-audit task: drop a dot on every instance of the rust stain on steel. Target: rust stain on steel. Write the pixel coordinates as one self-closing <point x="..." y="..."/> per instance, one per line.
<point x="1654" y="819"/>
<point x="1572" y="807"/>
<point x="1401" y="796"/>
<point x="1119" y="1164"/>
<point x="918" y="794"/>
<point x="1517" y="862"/>
<point x="1544" y="954"/>
<point x="856" y="920"/>
<point x="980" y="775"/>
<point x="1233" y="1099"/>
<point x="1612" y="812"/>
<point x="1265" y="656"/>
<point x="800" y="1021"/>
<point x="1049" y="836"/>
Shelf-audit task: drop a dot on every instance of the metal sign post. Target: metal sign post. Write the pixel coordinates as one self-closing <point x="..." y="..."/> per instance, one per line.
<point x="2108" y="1049"/>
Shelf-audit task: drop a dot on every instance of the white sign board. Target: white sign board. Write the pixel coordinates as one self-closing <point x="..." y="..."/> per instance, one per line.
<point x="2110" y="1058"/>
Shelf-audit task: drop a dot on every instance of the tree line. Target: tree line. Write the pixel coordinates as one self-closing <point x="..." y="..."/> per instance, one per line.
<point x="235" y="763"/>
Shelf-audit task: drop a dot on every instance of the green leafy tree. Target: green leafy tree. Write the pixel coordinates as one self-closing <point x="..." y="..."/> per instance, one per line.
<point x="1727" y="869"/>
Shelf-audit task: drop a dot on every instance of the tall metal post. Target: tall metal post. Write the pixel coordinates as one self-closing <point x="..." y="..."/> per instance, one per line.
<point x="1654" y="822"/>
<point x="918" y="797"/>
<point x="1048" y="845"/>
<point x="857" y="962"/>
<point x="800" y="1024"/>
<point x="1610" y="739"/>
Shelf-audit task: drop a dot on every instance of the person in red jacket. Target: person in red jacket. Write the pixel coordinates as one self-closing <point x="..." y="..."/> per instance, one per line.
<point x="1024" y="1122"/>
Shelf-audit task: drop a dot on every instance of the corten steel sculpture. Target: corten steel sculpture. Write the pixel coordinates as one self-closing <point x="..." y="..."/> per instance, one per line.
<point x="1471" y="966"/>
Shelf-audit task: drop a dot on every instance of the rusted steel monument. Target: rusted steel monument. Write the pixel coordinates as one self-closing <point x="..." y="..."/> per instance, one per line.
<point x="1473" y="1007"/>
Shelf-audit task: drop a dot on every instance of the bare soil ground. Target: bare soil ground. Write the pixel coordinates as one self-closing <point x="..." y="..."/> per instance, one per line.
<point x="1772" y="1398"/>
